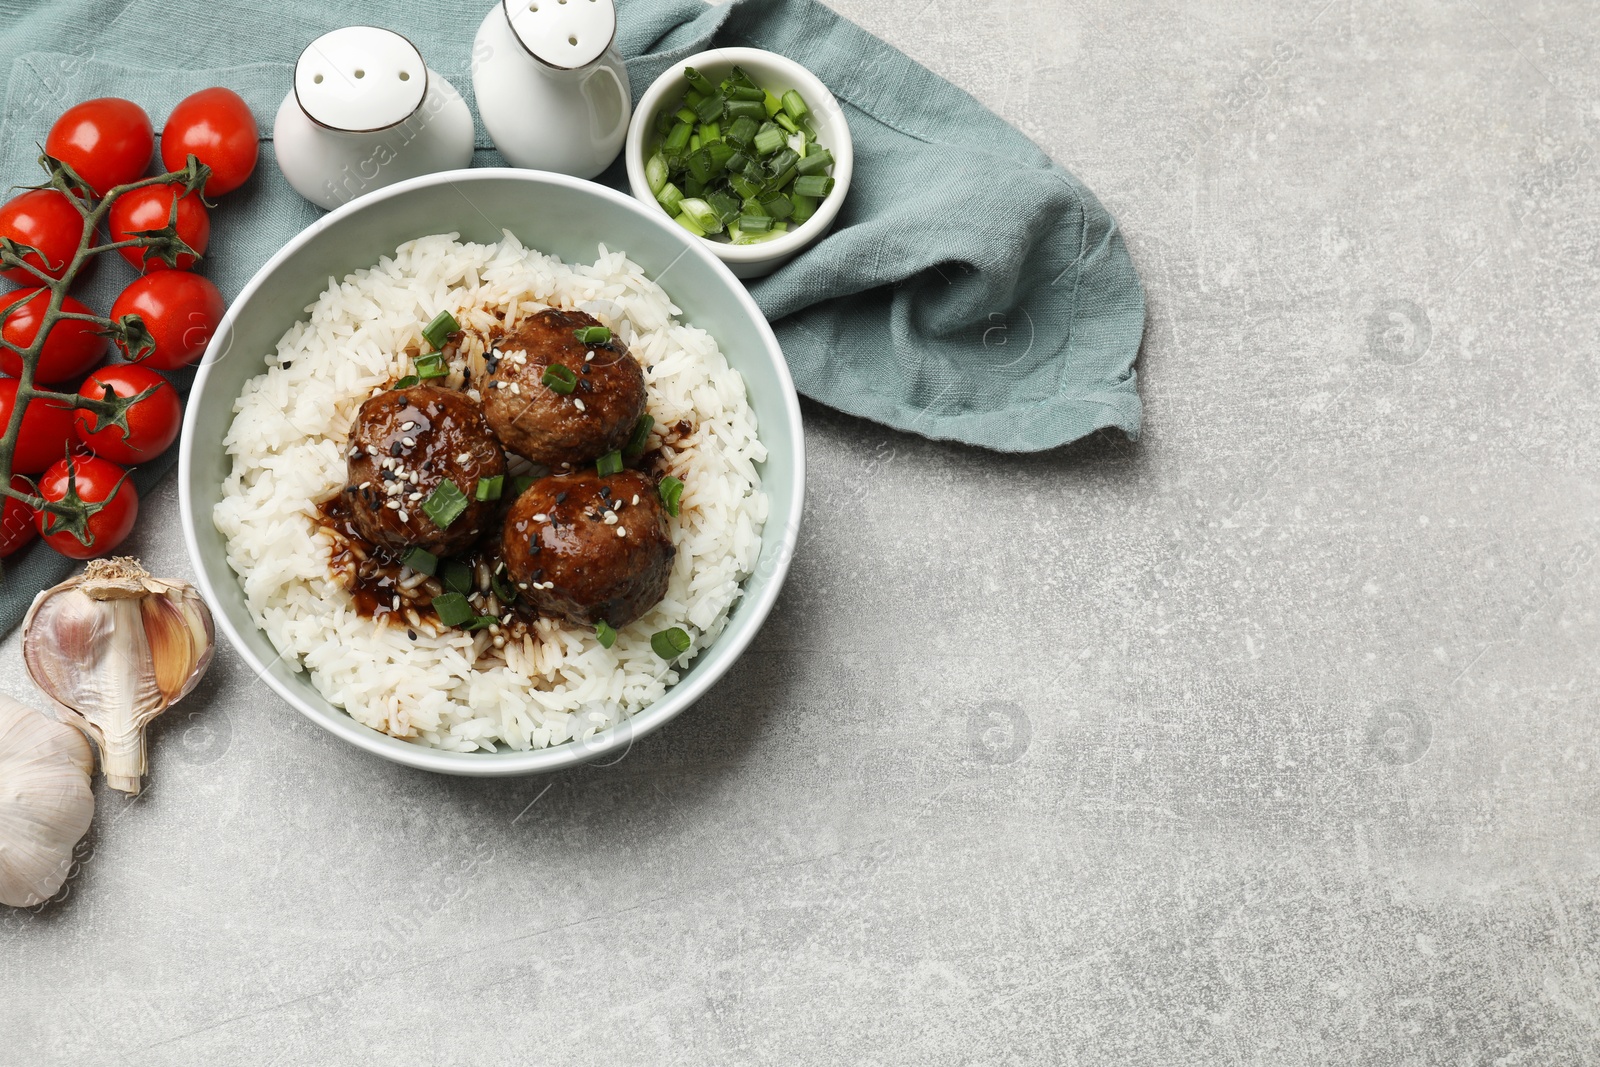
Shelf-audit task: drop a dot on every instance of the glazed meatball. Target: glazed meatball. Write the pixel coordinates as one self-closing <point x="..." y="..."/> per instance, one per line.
<point x="404" y="444"/>
<point x="562" y="431"/>
<point x="588" y="547"/>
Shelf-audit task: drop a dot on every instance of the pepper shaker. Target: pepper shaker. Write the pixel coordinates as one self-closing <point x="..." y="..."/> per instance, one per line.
<point x="551" y="87"/>
<point x="364" y="112"/>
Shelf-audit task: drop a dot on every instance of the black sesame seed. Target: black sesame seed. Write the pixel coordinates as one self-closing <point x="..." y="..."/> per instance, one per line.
<point x="411" y="634"/>
<point x="586" y="368"/>
<point x="561" y="498"/>
<point x="394" y="449"/>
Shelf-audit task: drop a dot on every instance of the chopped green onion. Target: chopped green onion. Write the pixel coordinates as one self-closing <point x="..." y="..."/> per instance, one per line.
<point x="816" y="162"/>
<point x="743" y="131"/>
<point x="710" y="133"/>
<point x="593" y="335"/>
<point x="407" y="382"/>
<point x="779" y="206"/>
<point x="655" y="174"/>
<point x="439" y="330"/>
<point x="744" y="186"/>
<point x="453" y="609"/>
<point x="670" y="197"/>
<point x="504" y="591"/>
<point x="639" y="436"/>
<point x="559" y="379"/>
<point x="522" y="483"/>
<point x="745" y="109"/>
<point x="725" y="205"/>
<point x="689" y="224"/>
<point x="697" y="81"/>
<point x="773" y="104"/>
<point x="721" y="155"/>
<point x="691" y="189"/>
<point x="786" y="122"/>
<point x="817" y="185"/>
<point x="445" y="504"/>
<point x="481" y="622"/>
<point x="678" y="139"/>
<point x="701" y="213"/>
<point x="783" y="161"/>
<point x="490" y="488"/>
<point x="694" y="143"/>
<point x="710" y="109"/>
<point x="804" y="207"/>
<point x="610" y="463"/>
<point x="420" y="560"/>
<point x="456" y="576"/>
<point x="688" y="115"/>
<point x="671" y="490"/>
<point x="769" y="141"/>
<point x="795" y="104"/>
<point x="671" y="643"/>
<point x="743" y="92"/>
<point x="605" y="634"/>
<point x="431" y="365"/>
<point x="701" y="166"/>
<point x="754" y="223"/>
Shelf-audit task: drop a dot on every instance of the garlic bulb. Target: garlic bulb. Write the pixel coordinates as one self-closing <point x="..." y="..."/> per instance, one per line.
<point x="114" y="648"/>
<point x="46" y="803"/>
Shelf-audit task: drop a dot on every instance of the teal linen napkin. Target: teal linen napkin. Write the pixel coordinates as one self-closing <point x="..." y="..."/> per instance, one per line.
<point x="1014" y="327"/>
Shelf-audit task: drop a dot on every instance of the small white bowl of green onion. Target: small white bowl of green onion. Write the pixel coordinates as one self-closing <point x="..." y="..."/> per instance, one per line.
<point x="746" y="150"/>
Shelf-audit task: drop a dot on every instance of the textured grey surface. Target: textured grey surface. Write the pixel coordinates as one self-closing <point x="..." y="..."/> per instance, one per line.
<point x="1267" y="740"/>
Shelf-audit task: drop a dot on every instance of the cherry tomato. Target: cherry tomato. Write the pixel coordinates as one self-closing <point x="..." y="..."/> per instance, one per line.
<point x="46" y="220"/>
<point x="106" y="141"/>
<point x="150" y="208"/>
<point x="215" y="125"/>
<point x="16" y="520"/>
<point x="152" y="423"/>
<point x="181" y="311"/>
<point x="72" y="348"/>
<point x="46" y="430"/>
<point x="95" y="480"/>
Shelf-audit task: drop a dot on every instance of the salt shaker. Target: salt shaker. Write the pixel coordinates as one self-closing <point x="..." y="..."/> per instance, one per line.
<point x="364" y="112"/>
<point x="550" y="85"/>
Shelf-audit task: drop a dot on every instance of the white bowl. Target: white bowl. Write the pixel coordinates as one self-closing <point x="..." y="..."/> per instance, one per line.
<point x="777" y="74"/>
<point x="554" y="213"/>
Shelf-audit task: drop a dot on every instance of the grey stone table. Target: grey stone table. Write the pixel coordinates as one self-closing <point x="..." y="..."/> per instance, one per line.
<point x="1268" y="739"/>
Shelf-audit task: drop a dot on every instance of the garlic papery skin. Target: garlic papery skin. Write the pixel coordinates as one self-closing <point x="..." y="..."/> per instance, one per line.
<point x="46" y="803"/>
<point x="114" y="648"/>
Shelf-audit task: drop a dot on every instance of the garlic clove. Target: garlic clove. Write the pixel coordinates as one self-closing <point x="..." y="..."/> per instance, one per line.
<point x="46" y="803"/>
<point x="114" y="648"/>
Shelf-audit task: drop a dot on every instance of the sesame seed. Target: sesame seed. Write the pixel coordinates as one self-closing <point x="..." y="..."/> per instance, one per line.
<point x="404" y="517"/>
<point x="395" y="504"/>
<point x="364" y="485"/>
<point x="541" y="517"/>
<point x="611" y="518"/>
<point x="516" y="390"/>
<point x="407" y="427"/>
<point x="414" y="497"/>
<point x="409" y="442"/>
<point x="622" y="531"/>
<point x="522" y="585"/>
<point x="578" y="403"/>
<point x="636" y="498"/>
<point x="587" y="356"/>
<point x="372" y="450"/>
<point x="464" y="458"/>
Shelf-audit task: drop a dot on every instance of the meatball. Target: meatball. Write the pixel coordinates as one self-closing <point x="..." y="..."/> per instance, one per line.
<point x="404" y="444"/>
<point x="562" y="431"/>
<point x="588" y="546"/>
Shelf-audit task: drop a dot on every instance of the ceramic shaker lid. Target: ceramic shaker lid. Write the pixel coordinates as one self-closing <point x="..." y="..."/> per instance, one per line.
<point x="362" y="78"/>
<point x="563" y="33"/>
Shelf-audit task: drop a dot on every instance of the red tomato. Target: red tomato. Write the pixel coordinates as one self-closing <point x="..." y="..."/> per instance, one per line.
<point x="215" y="125"/>
<point x="181" y="311"/>
<point x="46" y="220"/>
<point x="150" y="208"/>
<point x="16" y="521"/>
<point x="106" y="141"/>
<point x="72" y="348"/>
<point x="152" y="423"/>
<point x="46" y="430"/>
<point x="95" y="480"/>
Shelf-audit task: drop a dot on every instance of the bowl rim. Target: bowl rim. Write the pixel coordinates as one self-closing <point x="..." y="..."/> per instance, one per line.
<point x="815" y="92"/>
<point x="753" y="610"/>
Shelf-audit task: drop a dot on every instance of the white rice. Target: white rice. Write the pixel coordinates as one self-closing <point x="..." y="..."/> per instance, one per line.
<point x="454" y="690"/>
